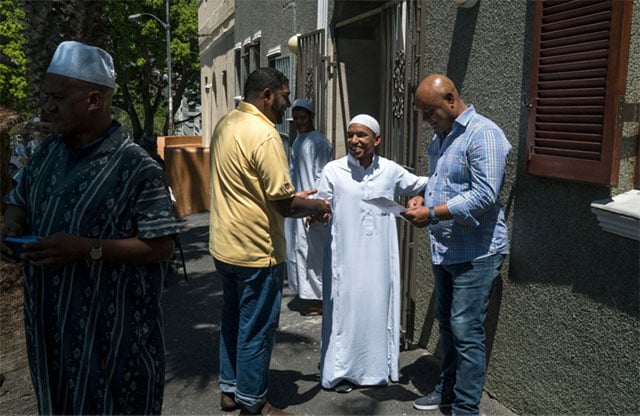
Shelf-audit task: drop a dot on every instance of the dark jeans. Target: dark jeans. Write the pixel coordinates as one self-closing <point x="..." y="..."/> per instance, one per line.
<point x="250" y="316"/>
<point x="462" y="300"/>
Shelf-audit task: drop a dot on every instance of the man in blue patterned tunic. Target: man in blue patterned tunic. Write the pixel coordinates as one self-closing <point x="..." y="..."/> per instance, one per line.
<point x="99" y="207"/>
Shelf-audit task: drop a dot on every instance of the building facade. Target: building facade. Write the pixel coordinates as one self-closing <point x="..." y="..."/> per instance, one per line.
<point x="563" y="81"/>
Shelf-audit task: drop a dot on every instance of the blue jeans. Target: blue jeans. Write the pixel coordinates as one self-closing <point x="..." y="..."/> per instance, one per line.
<point x="462" y="299"/>
<point x="250" y="316"/>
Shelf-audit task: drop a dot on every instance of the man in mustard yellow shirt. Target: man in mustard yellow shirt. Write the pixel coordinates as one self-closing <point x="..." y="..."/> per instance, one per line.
<point x="251" y="193"/>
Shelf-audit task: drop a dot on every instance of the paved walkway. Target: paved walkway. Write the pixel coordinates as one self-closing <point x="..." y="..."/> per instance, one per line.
<point x="192" y="311"/>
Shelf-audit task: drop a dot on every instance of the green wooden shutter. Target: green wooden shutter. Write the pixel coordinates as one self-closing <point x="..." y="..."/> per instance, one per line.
<point x="578" y="80"/>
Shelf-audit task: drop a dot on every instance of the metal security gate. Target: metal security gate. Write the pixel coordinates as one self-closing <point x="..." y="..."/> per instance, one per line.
<point x="311" y="75"/>
<point x="412" y="131"/>
<point x="283" y="64"/>
<point x="401" y="58"/>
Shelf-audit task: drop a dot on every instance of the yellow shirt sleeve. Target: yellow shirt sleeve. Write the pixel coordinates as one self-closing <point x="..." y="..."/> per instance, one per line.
<point x="272" y="168"/>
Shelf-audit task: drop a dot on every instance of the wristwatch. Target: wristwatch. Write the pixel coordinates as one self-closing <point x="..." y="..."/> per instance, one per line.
<point x="432" y="216"/>
<point x="96" y="251"/>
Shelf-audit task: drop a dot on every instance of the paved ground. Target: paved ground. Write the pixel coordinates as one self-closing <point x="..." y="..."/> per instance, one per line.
<point x="16" y="391"/>
<point x="192" y="310"/>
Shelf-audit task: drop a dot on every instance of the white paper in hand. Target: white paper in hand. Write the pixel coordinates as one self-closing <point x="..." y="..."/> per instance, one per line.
<point x="387" y="205"/>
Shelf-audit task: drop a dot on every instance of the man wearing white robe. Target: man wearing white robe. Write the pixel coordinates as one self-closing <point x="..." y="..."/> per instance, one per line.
<point x="361" y="271"/>
<point x="309" y="154"/>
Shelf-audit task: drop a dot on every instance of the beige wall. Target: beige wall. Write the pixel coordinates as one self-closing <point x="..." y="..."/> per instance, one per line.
<point x="217" y="55"/>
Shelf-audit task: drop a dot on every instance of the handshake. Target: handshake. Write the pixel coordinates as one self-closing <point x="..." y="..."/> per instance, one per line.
<point x="321" y="218"/>
<point x="320" y="207"/>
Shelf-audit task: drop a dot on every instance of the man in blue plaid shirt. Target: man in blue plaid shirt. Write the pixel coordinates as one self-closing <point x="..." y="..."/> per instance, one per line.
<point x="468" y="235"/>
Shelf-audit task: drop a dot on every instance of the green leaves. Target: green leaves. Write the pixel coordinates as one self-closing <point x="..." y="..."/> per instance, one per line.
<point x="31" y="29"/>
<point x="140" y="55"/>
<point x="13" y="81"/>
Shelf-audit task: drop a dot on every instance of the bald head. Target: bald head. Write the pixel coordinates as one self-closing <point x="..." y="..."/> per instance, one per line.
<point x="438" y="84"/>
<point x="439" y="102"/>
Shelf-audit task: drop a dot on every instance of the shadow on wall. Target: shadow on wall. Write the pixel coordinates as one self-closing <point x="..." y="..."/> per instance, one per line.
<point x="458" y="63"/>
<point x="557" y="240"/>
<point x="461" y="44"/>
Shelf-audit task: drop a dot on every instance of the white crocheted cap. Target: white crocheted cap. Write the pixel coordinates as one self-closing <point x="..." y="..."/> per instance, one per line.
<point x="367" y="120"/>
<point x="84" y="62"/>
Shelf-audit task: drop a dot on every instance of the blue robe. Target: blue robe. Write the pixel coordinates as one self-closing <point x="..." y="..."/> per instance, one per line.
<point x="309" y="154"/>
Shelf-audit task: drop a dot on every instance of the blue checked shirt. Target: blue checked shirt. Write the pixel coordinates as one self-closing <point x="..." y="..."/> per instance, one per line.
<point x="466" y="170"/>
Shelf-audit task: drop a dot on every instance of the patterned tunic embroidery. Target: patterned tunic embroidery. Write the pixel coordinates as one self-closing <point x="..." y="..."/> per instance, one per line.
<point x="94" y="329"/>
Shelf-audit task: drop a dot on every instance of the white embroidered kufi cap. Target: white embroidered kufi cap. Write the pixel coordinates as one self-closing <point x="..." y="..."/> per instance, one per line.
<point x="84" y="62"/>
<point x="367" y="120"/>
<point x="302" y="103"/>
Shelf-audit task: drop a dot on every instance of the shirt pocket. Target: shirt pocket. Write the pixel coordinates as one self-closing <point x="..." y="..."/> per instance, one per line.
<point x="457" y="169"/>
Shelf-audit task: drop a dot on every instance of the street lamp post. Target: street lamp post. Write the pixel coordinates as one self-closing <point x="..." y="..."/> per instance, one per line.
<point x="167" y="27"/>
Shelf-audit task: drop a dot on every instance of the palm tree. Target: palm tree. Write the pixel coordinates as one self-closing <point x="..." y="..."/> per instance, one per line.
<point x="46" y="24"/>
<point x="50" y="22"/>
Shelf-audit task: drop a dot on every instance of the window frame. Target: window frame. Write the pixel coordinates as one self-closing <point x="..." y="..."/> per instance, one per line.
<point x="560" y="143"/>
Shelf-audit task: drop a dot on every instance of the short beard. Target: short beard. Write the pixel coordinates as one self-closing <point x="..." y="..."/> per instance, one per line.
<point x="278" y="110"/>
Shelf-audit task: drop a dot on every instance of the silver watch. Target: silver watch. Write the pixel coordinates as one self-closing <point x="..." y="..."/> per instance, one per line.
<point x="96" y="251"/>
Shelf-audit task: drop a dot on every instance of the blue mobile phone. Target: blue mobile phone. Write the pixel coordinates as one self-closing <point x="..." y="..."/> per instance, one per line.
<point x="16" y="244"/>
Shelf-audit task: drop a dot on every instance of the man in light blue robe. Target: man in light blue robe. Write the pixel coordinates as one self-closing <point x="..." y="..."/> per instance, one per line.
<point x="309" y="154"/>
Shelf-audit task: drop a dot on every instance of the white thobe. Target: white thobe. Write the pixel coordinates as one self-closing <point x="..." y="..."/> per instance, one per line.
<point x="361" y="285"/>
<point x="309" y="154"/>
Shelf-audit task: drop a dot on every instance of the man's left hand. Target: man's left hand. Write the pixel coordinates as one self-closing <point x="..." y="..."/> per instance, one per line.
<point x="58" y="250"/>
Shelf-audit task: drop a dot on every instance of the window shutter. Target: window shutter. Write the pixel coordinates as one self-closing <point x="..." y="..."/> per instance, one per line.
<point x="578" y="80"/>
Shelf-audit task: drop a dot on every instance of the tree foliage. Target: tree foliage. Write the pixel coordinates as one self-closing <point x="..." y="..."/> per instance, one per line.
<point x="139" y="51"/>
<point x="30" y="30"/>
<point x="47" y="23"/>
<point x="13" y="80"/>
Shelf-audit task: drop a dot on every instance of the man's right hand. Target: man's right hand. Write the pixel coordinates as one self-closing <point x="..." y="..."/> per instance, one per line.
<point x="418" y="216"/>
<point x="416" y="212"/>
<point x="300" y="205"/>
<point x="324" y="211"/>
